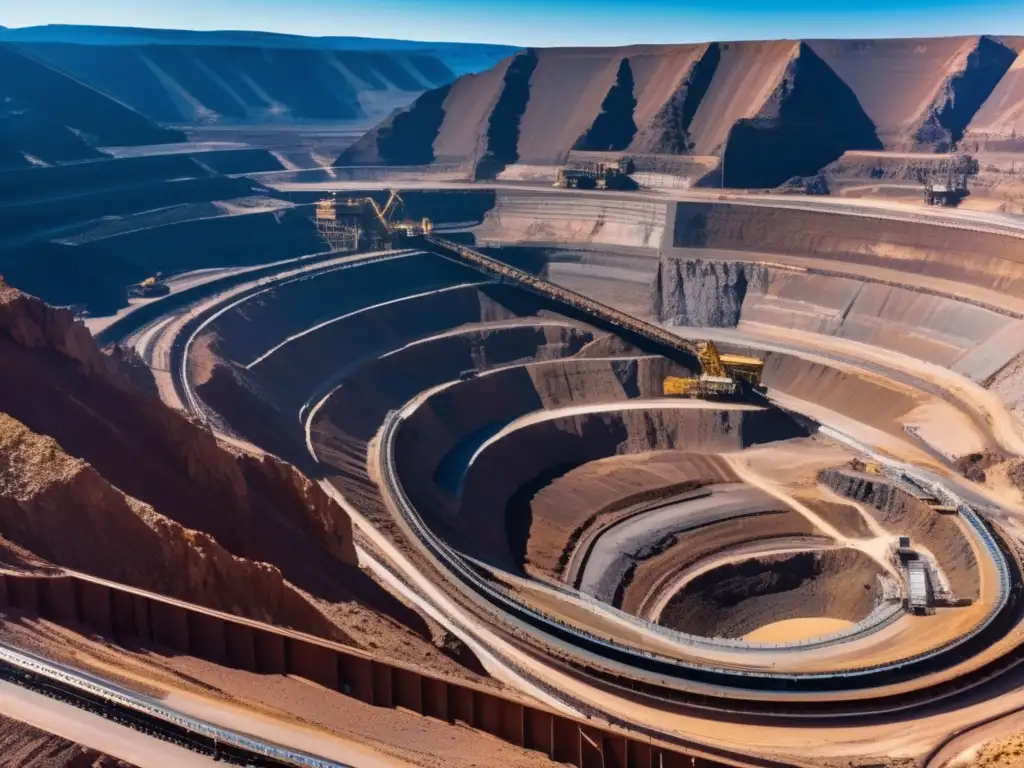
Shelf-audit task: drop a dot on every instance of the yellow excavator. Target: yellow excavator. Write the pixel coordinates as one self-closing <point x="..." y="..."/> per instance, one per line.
<point x="722" y="376"/>
<point x="150" y="287"/>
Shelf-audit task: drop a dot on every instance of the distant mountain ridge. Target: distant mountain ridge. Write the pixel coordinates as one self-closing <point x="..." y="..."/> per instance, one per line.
<point x="769" y="110"/>
<point x="182" y="77"/>
<point x="48" y="117"/>
<point x="466" y="57"/>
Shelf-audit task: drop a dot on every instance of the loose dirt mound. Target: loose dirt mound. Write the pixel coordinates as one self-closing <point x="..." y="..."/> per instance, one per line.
<point x="734" y="600"/>
<point x="175" y="512"/>
<point x="919" y="93"/>
<point x="779" y="109"/>
<point x="24" y="746"/>
<point x="999" y="124"/>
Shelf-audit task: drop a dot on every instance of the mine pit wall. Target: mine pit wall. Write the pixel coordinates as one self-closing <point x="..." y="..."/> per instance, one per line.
<point x="712" y="539"/>
<point x="590" y="498"/>
<point x="523" y="218"/>
<point x="449" y="418"/>
<point x="550" y="448"/>
<point x="735" y="599"/>
<point x="342" y="429"/>
<point x="965" y="336"/>
<point x="139" y="620"/>
<point x="902" y="514"/>
<point x="983" y="259"/>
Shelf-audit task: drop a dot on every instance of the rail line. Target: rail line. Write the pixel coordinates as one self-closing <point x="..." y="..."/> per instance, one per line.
<point x="134" y="711"/>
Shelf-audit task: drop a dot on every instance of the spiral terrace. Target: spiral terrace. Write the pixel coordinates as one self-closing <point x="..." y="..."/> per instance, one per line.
<point x="637" y="538"/>
<point x="715" y="556"/>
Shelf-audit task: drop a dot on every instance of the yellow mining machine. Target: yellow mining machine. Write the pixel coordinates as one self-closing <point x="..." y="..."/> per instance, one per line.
<point x="343" y="223"/>
<point x="150" y="287"/>
<point x="722" y="376"/>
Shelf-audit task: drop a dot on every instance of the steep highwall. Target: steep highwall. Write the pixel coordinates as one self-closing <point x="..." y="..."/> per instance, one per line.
<point x="207" y="513"/>
<point x="703" y="293"/>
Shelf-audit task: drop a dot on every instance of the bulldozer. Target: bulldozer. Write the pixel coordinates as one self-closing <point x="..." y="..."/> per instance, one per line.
<point x="722" y="376"/>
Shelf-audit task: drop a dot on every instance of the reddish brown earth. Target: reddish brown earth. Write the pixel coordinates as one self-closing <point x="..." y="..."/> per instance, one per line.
<point x="22" y="746"/>
<point x="102" y="478"/>
<point x="798" y="103"/>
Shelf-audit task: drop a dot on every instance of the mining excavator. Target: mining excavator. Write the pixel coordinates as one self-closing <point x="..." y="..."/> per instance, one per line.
<point x="722" y="376"/>
<point x="343" y="223"/>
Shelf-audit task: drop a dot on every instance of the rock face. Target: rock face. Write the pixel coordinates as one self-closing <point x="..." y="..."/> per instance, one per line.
<point x="98" y="477"/>
<point x="774" y="110"/>
<point x="696" y="292"/>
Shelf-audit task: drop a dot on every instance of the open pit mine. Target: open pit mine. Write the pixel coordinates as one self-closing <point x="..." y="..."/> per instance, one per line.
<point x="563" y="416"/>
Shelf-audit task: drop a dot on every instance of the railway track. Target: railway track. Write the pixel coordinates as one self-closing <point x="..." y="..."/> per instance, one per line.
<point x="126" y="708"/>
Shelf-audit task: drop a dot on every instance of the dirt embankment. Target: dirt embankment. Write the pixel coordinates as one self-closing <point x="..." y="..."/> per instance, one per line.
<point x="24" y="746"/>
<point x="999" y="124"/>
<point x="105" y="479"/>
<point x="776" y="109"/>
<point x="734" y="600"/>
<point x="591" y="497"/>
<point x="920" y="93"/>
<point x="696" y="292"/>
<point x="904" y="515"/>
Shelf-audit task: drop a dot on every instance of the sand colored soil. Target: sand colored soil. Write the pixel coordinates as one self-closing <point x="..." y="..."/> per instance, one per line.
<point x="1000" y="122"/>
<point x="746" y="76"/>
<point x="907" y="86"/>
<point x="845" y="518"/>
<point x="23" y="746"/>
<point x="789" y="630"/>
<point x="798" y="104"/>
<point x="737" y="599"/>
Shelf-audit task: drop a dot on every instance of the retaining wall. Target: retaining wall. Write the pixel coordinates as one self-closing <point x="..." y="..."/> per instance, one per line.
<point x="126" y="615"/>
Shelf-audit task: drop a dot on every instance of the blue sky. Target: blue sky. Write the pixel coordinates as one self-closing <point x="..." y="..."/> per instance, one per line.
<point x="543" y="22"/>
